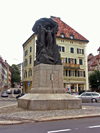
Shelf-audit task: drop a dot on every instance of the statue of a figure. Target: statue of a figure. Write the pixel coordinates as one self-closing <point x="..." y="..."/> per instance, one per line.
<point x="47" y="51"/>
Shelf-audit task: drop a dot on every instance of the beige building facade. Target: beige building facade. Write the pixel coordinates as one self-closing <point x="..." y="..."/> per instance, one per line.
<point x="72" y="47"/>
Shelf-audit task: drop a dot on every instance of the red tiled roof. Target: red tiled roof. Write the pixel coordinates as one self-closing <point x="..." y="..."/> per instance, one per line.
<point x="98" y="49"/>
<point x="67" y="30"/>
<point x="93" y="62"/>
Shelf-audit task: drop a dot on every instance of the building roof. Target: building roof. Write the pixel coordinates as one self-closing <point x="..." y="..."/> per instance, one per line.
<point x="93" y="62"/>
<point x="67" y="30"/>
<point x="98" y="49"/>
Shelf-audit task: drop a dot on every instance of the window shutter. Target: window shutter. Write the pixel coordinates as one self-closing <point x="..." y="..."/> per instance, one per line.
<point x="77" y="51"/>
<point x="73" y="50"/>
<point x="69" y="72"/>
<point x="75" y="61"/>
<point x="80" y="62"/>
<point x="65" y="60"/>
<point x="69" y="60"/>
<point x="60" y="48"/>
<point x="66" y="72"/>
<point x="82" y="51"/>
<point x="84" y="73"/>
<point x="78" y="73"/>
<point x="75" y="73"/>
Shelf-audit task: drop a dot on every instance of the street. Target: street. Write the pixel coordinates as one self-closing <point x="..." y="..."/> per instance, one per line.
<point x="88" y="125"/>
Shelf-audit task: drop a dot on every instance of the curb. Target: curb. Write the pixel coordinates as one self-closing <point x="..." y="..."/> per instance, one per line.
<point x="67" y="118"/>
<point x="47" y="120"/>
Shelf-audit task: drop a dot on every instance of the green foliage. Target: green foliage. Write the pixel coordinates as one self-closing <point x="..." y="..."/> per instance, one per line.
<point x="15" y="74"/>
<point x="94" y="80"/>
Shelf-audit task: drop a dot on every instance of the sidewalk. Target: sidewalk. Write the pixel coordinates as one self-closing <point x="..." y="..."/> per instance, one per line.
<point x="15" y="115"/>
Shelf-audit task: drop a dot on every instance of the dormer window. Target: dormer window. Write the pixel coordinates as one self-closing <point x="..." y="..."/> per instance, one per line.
<point x="71" y="36"/>
<point x="62" y="35"/>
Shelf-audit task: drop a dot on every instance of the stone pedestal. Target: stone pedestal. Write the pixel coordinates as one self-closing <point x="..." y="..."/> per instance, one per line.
<point x="48" y="92"/>
<point x="49" y="102"/>
<point x="48" y="79"/>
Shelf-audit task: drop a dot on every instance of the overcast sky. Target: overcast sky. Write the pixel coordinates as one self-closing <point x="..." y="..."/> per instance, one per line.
<point x="17" y="18"/>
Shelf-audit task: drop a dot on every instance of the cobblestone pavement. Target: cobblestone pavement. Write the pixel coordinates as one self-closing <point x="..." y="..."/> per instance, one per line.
<point x="14" y="113"/>
<point x="8" y="98"/>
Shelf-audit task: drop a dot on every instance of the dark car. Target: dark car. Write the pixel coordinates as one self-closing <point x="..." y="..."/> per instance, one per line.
<point x="17" y="91"/>
<point x="20" y="95"/>
<point x="4" y="94"/>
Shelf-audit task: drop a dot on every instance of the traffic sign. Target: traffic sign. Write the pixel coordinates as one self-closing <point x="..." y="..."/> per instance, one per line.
<point x="28" y="83"/>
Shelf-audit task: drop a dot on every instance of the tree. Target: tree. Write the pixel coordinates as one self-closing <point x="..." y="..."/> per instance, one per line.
<point x="15" y="74"/>
<point x="94" y="80"/>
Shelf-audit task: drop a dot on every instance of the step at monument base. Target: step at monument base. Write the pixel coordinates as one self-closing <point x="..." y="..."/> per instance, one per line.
<point x="40" y="102"/>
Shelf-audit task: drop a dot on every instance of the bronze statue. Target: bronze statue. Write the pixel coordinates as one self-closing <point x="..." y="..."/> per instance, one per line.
<point x="47" y="52"/>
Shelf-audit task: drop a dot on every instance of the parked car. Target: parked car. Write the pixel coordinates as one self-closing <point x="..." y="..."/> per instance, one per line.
<point x="73" y="93"/>
<point x="17" y="91"/>
<point x="4" y="94"/>
<point x="80" y="92"/>
<point x="20" y="95"/>
<point x="9" y="91"/>
<point x="90" y="96"/>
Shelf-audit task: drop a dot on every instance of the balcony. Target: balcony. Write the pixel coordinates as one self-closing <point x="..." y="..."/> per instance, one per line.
<point x="69" y="65"/>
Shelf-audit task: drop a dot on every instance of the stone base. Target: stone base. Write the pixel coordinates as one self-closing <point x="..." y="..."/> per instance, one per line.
<point x="48" y="79"/>
<point x="40" y="102"/>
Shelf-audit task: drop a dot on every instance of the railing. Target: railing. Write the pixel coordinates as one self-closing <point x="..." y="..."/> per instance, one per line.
<point x="69" y="65"/>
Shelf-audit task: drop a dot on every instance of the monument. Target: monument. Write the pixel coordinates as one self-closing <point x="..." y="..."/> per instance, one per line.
<point x="47" y="92"/>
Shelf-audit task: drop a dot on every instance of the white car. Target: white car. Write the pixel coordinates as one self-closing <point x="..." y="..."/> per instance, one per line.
<point x="4" y="94"/>
<point x="89" y="96"/>
<point x="9" y="91"/>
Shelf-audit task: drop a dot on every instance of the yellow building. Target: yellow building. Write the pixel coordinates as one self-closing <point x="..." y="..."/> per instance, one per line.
<point x="72" y="48"/>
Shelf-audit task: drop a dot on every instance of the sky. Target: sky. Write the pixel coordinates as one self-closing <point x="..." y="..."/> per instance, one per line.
<point x="17" y="18"/>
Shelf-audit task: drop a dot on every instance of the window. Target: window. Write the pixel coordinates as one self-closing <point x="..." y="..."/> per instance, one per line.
<point x="81" y="73"/>
<point x="25" y="62"/>
<point x="88" y="94"/>
<point x="64" y="60"/>
<point x="95" y="94"/>
<point x="30" y="72"/>
<point x="62" y="35"/>
<point x="72" y="60"/>
<point x="71" y="50"/>
<point x="26" y="52"/>
<point x="61" y="48"/>
<point x="83" y="94"/>
<point x="71" y="36"/>
<point x="71" y="42"/>
<point x="62" y="40"/>
<point x="80" y="62"/>
<point x="80" y="51"/>
<point x="72" y="73"/>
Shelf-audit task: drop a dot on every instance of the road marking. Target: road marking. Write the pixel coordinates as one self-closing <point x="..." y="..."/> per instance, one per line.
<point x="94" y="126"/>
<point x="57" y="131"/>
